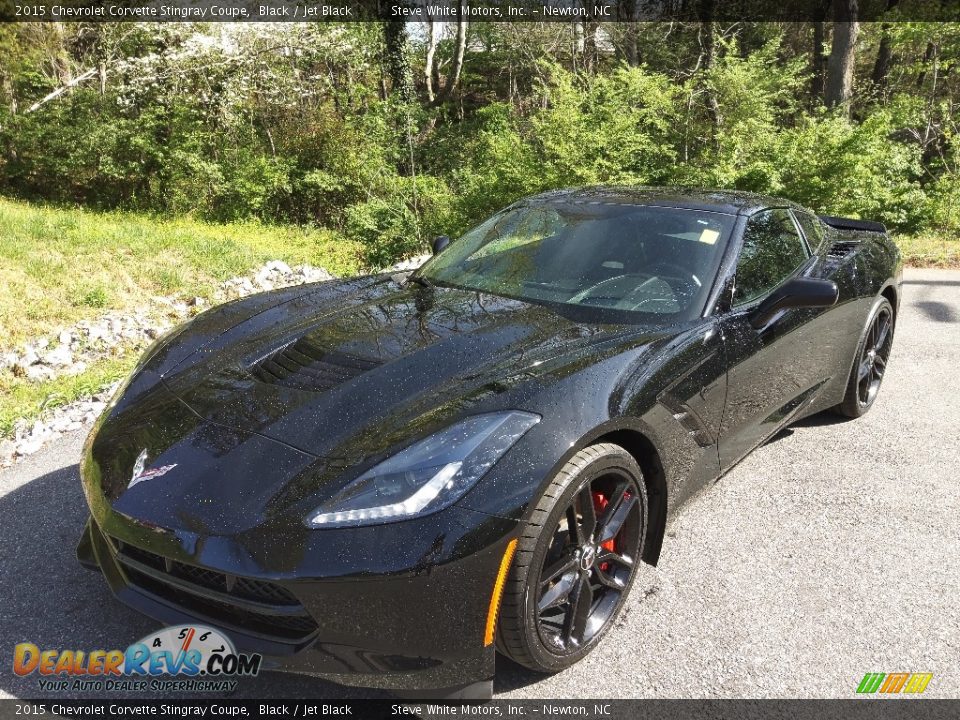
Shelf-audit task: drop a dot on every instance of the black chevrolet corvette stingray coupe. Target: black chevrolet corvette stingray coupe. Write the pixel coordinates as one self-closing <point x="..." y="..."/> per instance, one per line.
<point x="385" y="480"/>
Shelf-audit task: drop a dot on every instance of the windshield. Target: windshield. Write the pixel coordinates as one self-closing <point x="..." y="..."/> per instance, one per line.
<point x="654" y="261"/>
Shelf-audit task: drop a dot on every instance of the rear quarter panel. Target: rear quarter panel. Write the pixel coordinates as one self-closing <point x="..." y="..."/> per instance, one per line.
<point x="872" y="266"/>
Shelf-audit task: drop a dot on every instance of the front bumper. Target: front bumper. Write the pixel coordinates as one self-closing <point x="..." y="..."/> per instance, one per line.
<point x="409" y="626"/>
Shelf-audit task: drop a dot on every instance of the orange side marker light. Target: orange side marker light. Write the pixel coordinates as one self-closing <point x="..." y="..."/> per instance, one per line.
<point x="491" y="629"/>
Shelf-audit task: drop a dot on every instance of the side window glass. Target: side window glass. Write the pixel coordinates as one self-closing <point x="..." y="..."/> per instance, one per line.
<point x="772" y="251"/>
<point x="810" y="224"/>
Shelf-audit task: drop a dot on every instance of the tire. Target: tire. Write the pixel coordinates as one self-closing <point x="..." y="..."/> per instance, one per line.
<point x="609" y="477"/>
<point x="870" y="361"/>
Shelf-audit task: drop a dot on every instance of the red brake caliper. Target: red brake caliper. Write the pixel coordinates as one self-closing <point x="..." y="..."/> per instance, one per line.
<point x="600" y="503"/>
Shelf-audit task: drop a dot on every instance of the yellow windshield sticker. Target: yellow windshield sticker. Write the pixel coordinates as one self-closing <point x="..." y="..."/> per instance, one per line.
<point x="709" y="236"/>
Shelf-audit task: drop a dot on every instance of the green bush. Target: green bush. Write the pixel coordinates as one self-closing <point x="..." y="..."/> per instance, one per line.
<point x="402" y="222"/>
<point x="310" y="133"/>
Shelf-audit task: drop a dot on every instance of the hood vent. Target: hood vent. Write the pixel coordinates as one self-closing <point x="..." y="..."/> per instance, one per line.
<point x="304" y="367"/>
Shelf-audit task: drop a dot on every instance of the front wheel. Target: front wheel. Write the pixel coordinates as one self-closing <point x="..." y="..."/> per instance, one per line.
<point x="870" y="363"/>
<point x="575" y="561"/>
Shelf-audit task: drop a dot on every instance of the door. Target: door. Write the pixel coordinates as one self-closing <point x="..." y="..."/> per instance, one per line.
<point x="773" y="371"/>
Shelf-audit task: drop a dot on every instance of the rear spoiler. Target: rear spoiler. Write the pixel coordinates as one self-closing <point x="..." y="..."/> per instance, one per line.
<point x="850" y="224"/>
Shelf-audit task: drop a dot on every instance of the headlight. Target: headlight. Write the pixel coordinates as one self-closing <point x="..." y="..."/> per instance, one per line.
<point x="428" y="475"/>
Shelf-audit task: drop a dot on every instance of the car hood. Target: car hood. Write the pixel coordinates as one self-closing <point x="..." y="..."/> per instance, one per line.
<point x="270" y="411"/>
<point x="317" y="377"/>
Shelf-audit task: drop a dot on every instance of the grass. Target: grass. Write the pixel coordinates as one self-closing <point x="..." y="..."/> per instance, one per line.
<point x="930" y="250"/>
<point x="58" y="266"/>
<point x="20" y="398"/>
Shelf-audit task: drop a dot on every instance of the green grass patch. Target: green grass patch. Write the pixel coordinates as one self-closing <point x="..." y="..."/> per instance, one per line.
<point x="20" y="398"/>
<point x="58" y="266"/>
<point x="930" y="250"/>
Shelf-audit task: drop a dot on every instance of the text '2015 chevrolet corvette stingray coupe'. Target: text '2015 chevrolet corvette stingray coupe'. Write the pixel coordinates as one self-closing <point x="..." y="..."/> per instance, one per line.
<point x="386" y="480"/>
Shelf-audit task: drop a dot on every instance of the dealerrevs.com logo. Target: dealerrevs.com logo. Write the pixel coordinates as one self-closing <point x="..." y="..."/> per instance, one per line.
<point x="190" y="658"/>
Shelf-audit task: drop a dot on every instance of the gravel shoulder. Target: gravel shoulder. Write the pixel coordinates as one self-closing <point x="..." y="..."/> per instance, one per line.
<point x="830" y="552"/>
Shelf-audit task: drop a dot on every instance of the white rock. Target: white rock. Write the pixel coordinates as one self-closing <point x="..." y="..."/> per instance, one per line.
<point x="42" y="343"/>
<point x="28" y="358"/>
<point x="8" y="360"/>
<point x="59" y="356"/>
<point x="76" y="368"/>
<point x="37" y="373"/>
<point x="65" y="337"/>
<point x="313" y="274"/>
<point x="29" y="447"/>
<point x="279" y="266"/>
<point x="7" y="450"/>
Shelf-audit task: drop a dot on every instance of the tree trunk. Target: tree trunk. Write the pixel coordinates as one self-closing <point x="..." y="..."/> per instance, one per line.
<point x="708" y="50"/>
<point x="397" y="61"/>
<point x="839" y="88"/>
<point x="397" y="66"/>
<point x="431" y="57"/>
<point x="457" y="67"/>
<point x="627" y="23"/>
<point x="884" y="61"/>
<point x="458" y="55"/>
<point x="62" y="89"/>
<point x="6" y="85"/>
<point x="927" y="58"/>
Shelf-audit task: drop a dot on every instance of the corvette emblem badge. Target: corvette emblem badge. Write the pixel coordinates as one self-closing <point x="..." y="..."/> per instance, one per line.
<point x="139" y="474"/>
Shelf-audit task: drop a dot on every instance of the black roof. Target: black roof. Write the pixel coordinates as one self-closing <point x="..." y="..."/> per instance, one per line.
<point x="733" y="202"/>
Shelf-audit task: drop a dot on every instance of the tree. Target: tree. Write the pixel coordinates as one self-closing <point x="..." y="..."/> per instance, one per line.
<point x="840" y="64"/>
<point x="884" y="60"/>
<point x="397" y="59"/>
<point x="436" y="93"/>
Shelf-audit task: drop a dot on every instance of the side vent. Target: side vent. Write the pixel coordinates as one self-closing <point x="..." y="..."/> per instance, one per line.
<point x="304" y="367"/>
<point x="840" y="250"/>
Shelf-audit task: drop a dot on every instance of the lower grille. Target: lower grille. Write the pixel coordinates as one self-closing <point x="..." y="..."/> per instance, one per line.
<point x="244" y="603"/>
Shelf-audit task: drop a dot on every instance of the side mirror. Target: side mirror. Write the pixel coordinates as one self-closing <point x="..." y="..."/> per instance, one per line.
<point x="439" y="243"/>
<point x="796" y="293"/>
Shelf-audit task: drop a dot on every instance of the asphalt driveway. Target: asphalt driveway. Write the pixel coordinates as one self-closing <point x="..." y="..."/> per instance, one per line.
<point x="832" y="551"/>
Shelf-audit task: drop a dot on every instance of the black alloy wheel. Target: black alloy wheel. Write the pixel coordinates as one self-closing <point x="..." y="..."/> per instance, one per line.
<point x="873" y="354"/>
<point x="577" y="561"/>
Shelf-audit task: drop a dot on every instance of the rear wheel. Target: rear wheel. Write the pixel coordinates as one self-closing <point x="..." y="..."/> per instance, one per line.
<point x="576" y="560"/>
<point x="871" y="361"/>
